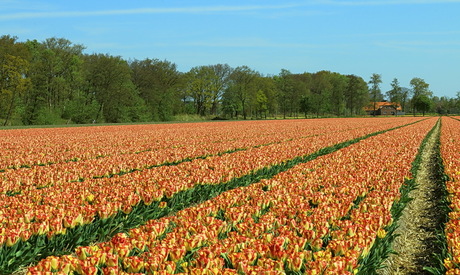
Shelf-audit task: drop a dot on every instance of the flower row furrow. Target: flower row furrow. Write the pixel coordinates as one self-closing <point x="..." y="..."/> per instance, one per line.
<point x="68" y="204"/>
<point x="450" y="152"/>
<point x="19" y="180"/>
<point x="29" y="147"/>
<point x="23" y="148"/>
<point x="318" y="217"/>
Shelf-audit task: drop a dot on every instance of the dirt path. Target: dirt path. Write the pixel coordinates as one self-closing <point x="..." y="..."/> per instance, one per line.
<point x="421" y="218"/>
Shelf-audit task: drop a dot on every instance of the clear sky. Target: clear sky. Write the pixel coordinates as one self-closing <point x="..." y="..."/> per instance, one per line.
<point x="395" y="38"/>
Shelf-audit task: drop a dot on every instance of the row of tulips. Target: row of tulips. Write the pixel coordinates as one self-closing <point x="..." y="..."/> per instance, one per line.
<point x="320" y="217"/>
<point x="23" y="148"/>
<point x="65" y="205"/>
<point x="67" y="225"/>
<point x="29" y="147"/>
<point x="19" y="180"/>
<point x="450" y="148"/>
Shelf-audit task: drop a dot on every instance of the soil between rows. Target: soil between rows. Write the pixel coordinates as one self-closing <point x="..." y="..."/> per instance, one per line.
<point x="423" y="217"/>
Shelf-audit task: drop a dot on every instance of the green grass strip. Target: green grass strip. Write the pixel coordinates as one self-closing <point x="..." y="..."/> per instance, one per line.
<point x="381" y="248"/>
<point x="38" y="247"/>
<point x="437" y="267"/>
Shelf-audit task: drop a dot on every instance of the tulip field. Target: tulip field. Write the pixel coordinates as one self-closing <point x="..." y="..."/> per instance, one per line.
<point x="450" y="151"/>
<point x="316" y="196"/>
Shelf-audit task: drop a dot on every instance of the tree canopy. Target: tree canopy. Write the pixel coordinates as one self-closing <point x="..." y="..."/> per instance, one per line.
<point x="55" y="82"/>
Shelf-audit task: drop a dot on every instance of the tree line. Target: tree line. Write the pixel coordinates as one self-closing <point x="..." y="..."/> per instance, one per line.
<point x="54" y="81"/>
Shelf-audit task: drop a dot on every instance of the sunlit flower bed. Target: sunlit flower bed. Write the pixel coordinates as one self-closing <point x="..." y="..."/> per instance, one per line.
<point x="52" y="209"/>
<point x="127" y="148"/>
<point x="450" y="151"/>
<point x="29" y="147"/>
<point x="23" y="148"/>
<point x="319" y="217"/>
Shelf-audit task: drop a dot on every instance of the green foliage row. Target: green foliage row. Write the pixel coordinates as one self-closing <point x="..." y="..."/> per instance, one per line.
<point x="63" y="85"/>
<point x="38" y="247"/>
<point x="437" y="267"/>
<point x="54" y="82"/>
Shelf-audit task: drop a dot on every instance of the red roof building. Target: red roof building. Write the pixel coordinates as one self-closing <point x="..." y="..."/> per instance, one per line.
<point x="383" y="108"/>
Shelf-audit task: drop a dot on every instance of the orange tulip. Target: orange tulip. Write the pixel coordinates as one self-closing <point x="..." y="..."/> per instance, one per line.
<point x="133" y="264"/>
<point x="111" y="260"/>
<point x="177" y="253"/>
<point x="110" y="270"/>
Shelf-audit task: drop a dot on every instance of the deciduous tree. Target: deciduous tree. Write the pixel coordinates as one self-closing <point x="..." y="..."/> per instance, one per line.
<point x="395" y="95"/>
<point x="423" y="104"/>
<point x="286" y="89"/>
<point x="13" y="69"/>
<point x="241" y="80"/>
<point x="419" y="89"/>
<point x="159" y="84"/>
<point x="220" y="82"/>
<point x="375" y="92"/>
<point x="321" y="89"/>
<point x="339" y="84"/>
<point x="109" y="79"/>
<point x="356" y="94"/>
<point x="56" y="75"/>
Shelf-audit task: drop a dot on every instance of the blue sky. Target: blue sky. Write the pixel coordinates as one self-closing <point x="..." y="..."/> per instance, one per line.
<point x="395" y="38"/>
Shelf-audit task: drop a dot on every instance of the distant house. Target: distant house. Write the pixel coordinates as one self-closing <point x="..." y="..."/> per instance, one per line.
<point x="384" y="108"/>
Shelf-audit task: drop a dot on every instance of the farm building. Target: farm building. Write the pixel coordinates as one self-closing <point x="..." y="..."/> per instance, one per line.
<point x="383" y="108"/>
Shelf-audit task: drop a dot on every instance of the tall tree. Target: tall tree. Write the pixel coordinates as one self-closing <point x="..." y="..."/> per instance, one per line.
<point x="395" y="95"/>
<point x="375" y="92"/>
<point x="300" y="90"/>
<point x="109" y="79"/>
<point x="443" y="105"/>
<point x="456" y="103"/>
<point x="356" y="94"/>
<point x="241" y="80"/>
<point x="263" y="101"/>
<point x="405" y="92"/>
<point x="286" y="90"/>
<point x="321" y="89"/>
<point x="13" y="68"/>
<point x="159" y="84"/>
<point x="230" y="103"/>
<point x="261" y="104"/>
<point x="55" y="73"/>
<point x="268" y="86"/>
<point x="220" y="82"/>
<point x="419" y="90"/>
<point x="305" y="101"/>
<point x="339" y="84"/>
<point x="423" y="103"/>
<point x="200" y="86"/>
<point x="64" y="69"/>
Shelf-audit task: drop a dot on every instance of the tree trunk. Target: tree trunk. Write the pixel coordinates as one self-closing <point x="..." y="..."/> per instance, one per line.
<point x="10" y="109"/>
<point x="99" y="112"/>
